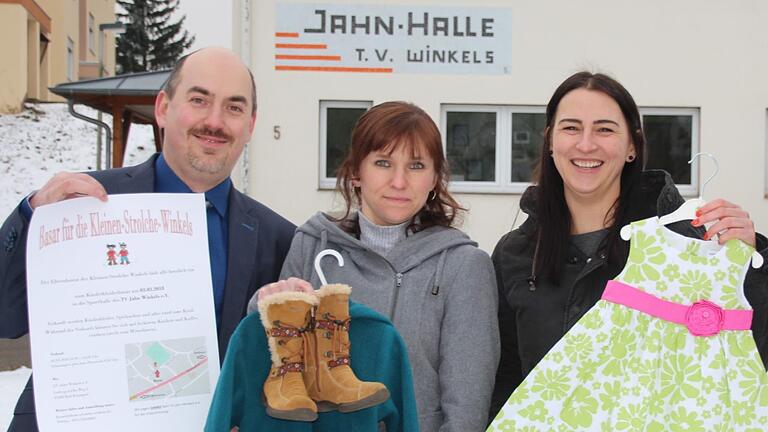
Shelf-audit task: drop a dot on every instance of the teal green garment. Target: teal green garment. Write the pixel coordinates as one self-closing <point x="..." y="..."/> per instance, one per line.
<point x="378" y="353"/>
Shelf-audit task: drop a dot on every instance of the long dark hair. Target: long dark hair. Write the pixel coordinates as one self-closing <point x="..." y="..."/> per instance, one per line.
<point x="553" y="227"/>
<point x="383" y="128"/>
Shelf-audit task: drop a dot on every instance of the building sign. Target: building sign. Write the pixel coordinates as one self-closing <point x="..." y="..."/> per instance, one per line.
<point x="392" y="39"/>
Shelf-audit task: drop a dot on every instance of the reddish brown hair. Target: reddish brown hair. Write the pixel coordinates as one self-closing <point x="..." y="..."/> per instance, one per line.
<point x="384" y="127"/>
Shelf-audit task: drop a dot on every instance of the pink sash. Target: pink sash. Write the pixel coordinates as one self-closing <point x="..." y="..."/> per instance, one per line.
<point x="703" y="318"/>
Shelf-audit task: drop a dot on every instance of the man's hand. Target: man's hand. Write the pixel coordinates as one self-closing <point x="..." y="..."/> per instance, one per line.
<point x="66" y="185"/>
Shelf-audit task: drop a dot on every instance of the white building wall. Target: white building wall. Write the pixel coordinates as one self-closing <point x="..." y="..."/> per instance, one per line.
<point x="708" y="55"/>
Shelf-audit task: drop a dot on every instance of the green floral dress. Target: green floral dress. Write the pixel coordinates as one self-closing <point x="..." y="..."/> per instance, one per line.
<point x="619" y="369"/>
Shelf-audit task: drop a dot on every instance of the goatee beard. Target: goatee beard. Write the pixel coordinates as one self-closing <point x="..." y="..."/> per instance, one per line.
<point x="200" y="162"/>
<point x="214" y="166"/>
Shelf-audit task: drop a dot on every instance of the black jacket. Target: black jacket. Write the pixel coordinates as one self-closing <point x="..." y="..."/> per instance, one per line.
<point x="535" y="314"/>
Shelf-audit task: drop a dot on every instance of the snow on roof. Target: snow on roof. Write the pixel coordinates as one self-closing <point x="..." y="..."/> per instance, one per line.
<point x="136" y="84"/>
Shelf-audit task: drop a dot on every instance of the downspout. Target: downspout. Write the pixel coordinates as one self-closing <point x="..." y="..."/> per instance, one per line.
<point x="245" y="55"/>
<point x="99" y="124"/>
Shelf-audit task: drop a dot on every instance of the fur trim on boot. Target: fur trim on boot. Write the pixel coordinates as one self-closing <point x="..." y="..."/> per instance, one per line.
<point x="287" y="318"/>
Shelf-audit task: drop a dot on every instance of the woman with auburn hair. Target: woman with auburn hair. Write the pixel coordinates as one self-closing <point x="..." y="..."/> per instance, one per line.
<point x="555" y="266"/>
<point x="403" y="259"/>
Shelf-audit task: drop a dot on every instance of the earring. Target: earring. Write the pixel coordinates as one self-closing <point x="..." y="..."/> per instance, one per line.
<point x="630" y="158"/>
<point x="432" y="195"/>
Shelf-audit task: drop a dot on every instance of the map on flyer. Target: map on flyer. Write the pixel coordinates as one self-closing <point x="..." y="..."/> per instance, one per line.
<point x="170" y="368"/>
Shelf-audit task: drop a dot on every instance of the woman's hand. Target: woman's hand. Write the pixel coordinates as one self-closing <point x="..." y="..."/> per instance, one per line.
<point x="730" y="222"/>
<point x="290" y="284"/>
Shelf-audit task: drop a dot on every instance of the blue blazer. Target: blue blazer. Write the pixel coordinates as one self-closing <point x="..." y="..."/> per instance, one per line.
<point x="258" y="241"/>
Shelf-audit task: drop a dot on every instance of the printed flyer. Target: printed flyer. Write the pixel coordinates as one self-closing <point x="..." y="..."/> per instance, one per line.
<point x="122" y="322"/>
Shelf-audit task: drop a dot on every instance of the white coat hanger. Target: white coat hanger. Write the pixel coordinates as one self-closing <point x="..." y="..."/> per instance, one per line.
<point x="687" y="211"/>
<point x="320" y="256"/>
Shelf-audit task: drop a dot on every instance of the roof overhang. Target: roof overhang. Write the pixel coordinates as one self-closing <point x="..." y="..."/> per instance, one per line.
<point x="135" y="93"/>
<point x="36" y="12"/>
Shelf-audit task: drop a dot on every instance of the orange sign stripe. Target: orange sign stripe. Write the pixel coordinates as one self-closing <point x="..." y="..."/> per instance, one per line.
<point x="301" y="46"/>
<point x="307" y="57"/>
<point x="285" y="34"/>
<point x="333" y="69"/>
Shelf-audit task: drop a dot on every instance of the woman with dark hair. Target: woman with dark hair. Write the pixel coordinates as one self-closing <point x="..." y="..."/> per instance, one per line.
<point x="554" y="268"/>
<point x="403" y="259"/>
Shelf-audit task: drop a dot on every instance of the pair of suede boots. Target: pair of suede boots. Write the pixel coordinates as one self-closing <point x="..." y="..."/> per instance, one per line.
<point x="308" y="337"/>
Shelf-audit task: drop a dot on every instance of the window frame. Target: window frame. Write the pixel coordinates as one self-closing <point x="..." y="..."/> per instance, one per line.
<point x="504" y="128"/>
<point x="329" y="183"/>
<point x="503" y="154"/>
<point x="503" y="183"/>
<point x="91" y="33"/>
<point x="692" y="189"/>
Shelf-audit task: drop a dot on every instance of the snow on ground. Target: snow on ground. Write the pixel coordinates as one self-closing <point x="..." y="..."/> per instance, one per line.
<point x="46" y="139"/>
<point x="34" y="145"/>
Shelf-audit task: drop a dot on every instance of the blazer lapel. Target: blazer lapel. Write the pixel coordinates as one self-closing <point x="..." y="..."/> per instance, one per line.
<point x="142" y="177"/>
<point x="241" y="262"/>
<point x="135" y="179"/>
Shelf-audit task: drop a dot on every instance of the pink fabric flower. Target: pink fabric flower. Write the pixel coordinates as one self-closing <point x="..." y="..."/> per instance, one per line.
<point x="704" y="318"/>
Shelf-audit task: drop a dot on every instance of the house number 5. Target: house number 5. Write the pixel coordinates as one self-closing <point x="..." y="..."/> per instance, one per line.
<point x="276" y="132"/>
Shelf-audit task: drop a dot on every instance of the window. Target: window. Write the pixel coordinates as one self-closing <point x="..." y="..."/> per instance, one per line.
<point x="70" y="60"/>
<point x="337" y="118"/>
<point x="527" y="139"/>
<point x="672" y="137"/>
<point x="91" y="35"/>
<point x="492" y="148"/>
<point x="471" y="145"/>
<point x="495" y="148"/>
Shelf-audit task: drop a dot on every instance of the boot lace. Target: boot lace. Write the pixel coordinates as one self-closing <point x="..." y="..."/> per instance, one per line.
<point x="281" y="332"/>
<point x="340" y="348"/>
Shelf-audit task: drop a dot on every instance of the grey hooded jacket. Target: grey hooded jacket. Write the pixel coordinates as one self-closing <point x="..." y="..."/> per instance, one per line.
<point x="439" y="290"/>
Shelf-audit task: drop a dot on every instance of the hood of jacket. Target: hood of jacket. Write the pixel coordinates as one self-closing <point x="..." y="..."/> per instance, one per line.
<point x="409" y="253"/>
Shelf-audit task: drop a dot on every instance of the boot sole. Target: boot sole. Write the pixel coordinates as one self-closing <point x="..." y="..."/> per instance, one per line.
<point x="379" y="397"/>
<point x="303" y="414"/>
<point x="300" y="414"/>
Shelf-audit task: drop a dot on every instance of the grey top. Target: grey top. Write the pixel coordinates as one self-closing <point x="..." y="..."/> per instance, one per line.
<point x="439" y="290"/>
<point x="380" y="238"/>
<point x="589" y="242"/>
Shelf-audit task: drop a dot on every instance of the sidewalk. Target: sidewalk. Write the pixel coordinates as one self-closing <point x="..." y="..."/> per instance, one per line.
<point x="11" y="385"/>
<point x="14" y="353"/>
